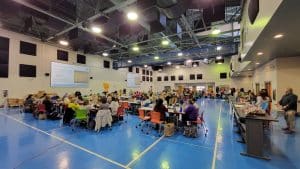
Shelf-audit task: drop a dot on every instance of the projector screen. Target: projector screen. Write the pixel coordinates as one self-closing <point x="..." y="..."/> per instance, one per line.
<point x="64" y="75"/>
<point x="133" y="80"/>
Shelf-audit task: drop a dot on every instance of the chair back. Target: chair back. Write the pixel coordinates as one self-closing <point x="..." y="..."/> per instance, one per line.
<point x="155" y="117"/>
<point x="81" y="114"/>
<point x="120" y="111"/>
<point x="265" y="105"/>
<point x="141" y="113"/>
<point x="41" y="108"/>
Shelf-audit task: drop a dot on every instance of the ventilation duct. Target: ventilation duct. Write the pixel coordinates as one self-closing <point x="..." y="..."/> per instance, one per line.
<point x="175" y="11"/>
<point x="166" y="3"/>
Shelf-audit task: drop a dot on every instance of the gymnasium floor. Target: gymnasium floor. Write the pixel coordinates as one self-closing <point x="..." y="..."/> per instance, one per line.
<point x="27" y="143"/>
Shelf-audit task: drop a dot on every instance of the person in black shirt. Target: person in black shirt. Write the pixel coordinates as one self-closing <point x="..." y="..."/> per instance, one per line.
<point x="289" y="105"/>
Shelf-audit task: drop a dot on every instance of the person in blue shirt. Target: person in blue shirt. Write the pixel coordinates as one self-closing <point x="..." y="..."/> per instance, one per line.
<point x="191" y="112"/>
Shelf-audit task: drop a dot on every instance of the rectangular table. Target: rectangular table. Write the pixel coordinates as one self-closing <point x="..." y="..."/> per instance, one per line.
<point x="254" y="131"/>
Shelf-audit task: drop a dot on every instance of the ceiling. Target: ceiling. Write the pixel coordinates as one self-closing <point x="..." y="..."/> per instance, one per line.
<point x="178" y="21"/>
<point x="284" y="22"/>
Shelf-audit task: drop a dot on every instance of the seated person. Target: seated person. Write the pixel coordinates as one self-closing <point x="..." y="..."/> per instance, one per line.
<point x="160" y="107"/>
<point x="191" y="112"/>
<point x="70" y="111"/>
<point x="146" y="101"/>
<point x="51" y="114"/>
<point x="29" y="104"/>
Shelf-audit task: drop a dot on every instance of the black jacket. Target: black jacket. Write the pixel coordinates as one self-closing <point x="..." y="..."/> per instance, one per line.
<point x="289" y="100"/>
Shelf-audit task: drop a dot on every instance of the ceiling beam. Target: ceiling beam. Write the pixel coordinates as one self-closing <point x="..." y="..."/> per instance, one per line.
<point x="188" y="28"/>
<point x="79" y="24"/>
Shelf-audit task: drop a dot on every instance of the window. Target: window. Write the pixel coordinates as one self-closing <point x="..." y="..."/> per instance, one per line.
<point x="27" y="70"/>
<point x="192" y="77"/>
<point x="223" y="75"/>
<point x="106" y="64"/>
<point x="151" y="79"/>
<point x="129" y="69"/>
<point x="4" y="56"/>
<point x="173" y="78"/>
<point x="158" y="78"/>
<point x="62" y="55"/>
<point x="137" y="70"/>
<point x="81" y="59"/>
<point x="199" y="76"/>
<point x="148" y="79"/>
<point x="166" y="78"/>
<point x="150" y="73"/>
<point x="180" y="77"/>
<point x="28" y="48"/>
<point x="147" y="72"/>
<point x="144" y="71"/>
<point x="143" y="78"/>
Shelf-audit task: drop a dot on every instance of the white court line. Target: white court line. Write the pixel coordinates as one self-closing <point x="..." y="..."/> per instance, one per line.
<point x="190" y="144"/>
<point x="213" y="165"/>
<point x="145" y="151"/>
<point x="67" y="142"/>
<point x="57" y="128"/>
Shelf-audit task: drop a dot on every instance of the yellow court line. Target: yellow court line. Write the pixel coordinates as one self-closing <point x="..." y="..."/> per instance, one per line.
<point x="213" y="165"/>
<point x="67" y="142"/>
<point x="145" y="151"/>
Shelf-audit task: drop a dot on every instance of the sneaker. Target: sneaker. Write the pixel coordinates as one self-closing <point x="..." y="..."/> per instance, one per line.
<point x="286" y="129"/>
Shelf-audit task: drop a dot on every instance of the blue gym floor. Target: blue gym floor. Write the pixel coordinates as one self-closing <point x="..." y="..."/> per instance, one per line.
<point x="27" y="143"/>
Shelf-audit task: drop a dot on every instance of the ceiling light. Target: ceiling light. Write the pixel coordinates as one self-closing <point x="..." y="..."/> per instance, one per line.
<point x="216" y="31"/>
<point x="104" y="54"/>
<point x="177" y="67"/>
<point x="132" y="16"/>
<point x="145" y="65"/>
<point x="96" y="29"/>
<point x="169" y="63"/>
<point x="278" y="36"/>
<point x="219" y="57"/>
<point x="129" y="61"/>
<point x="219" y="47"/>
<point x="205" y="60"/>
<point x="259" y="53"/>
<point x="179" y="54"/>
<point x="257" y="63"/>
<point x="64" y="42"/>
<point x="195" y="65"/>
<point x="135" y="48"/>
<point x="156" y="57"/>
<point x="189" y="61"/>
<point x="159" y="70"/>
<point x="114" y="46"/>
<point x="165" y="42"/>
<point x="249" y="69"/>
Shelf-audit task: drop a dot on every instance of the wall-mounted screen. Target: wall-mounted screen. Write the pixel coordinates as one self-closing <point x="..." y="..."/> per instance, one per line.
<point x="106" y="64"/>
<point x="133" y="80"/>
<point x="27" y="70"/>
<point x="223" y="75"/>
<point x="65" y="75"/>
<point x="28" y="48"/>
<point x="81" y="59"/>
<point x="4" y="57"/>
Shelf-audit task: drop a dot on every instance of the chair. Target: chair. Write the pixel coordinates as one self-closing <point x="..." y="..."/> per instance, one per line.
<point x="103" y="118"/>
<point x="200" y="122"/>
<point x="126" y="107"/>
<point x="121" y="113"/>
<point x="143" y="119"/>
<point x="155" y="119"/>
<point x="80" y="116"/>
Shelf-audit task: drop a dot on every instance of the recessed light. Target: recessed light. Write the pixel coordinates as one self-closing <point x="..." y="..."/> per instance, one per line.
<point x="195" y="65"/>
<point x="159" y="70"/>
<point x="220" y="63"/>
<point x="64" y="42"/>
<point x="156" y="57"/>
<point x="219" y="47"/>
<point x="278" y="36"/>
<point x="189" y="61"/>
<point x="257" y="63"/>
<point x="135" y="48"/>
<point x="169" y="63"/>
<point x="219" y="57"/>
<point x="205" y="60"/>
<point x="216" y="31"/>
<point x="177" y="67"/>
<point x="96" y="29"/>
<point x="249" y="69"/>
<point x="179" y="54"/>
<point x="260" y="53"/>
<point x="145" y="65"/>
<point x="132" y="16"/>
<point x="104" y="54"/>
<point x="165" y="42"/>
<point x="129" y="61"/>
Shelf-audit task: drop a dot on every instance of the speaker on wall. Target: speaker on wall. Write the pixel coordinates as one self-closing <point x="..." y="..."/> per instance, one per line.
<point x="91" y="77"/>
<point x="47" y="74"/>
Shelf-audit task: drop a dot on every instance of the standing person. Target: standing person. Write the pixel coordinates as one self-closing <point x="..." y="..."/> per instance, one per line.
<point x="289" y="105"/>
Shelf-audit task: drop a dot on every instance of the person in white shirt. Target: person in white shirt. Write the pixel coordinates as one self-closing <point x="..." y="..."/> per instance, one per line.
<point x="114" y="105"/>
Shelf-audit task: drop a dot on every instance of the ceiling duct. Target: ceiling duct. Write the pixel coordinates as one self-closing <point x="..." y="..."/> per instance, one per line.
<point x="175" y="11"/>
<point x="145" y="4"/>
<point x="166" y="3"/>
<point x="156" y="20"/>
